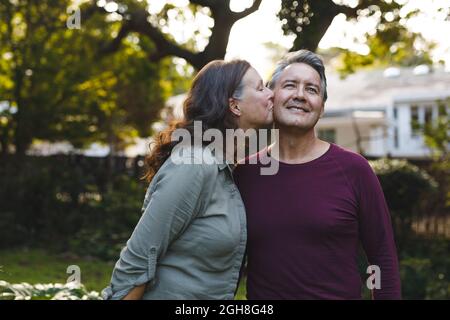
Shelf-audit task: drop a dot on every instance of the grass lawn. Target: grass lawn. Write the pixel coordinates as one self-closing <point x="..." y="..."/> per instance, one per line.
<point x="37" y="266"/>
<point x="240" y="295"/>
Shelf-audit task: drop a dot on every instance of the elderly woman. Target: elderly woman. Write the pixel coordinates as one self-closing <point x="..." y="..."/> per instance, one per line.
<point x="191" y="238"/>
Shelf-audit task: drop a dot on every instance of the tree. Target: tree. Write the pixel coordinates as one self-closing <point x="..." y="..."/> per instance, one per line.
<point x="104" y="82"/>
<point x="137" y="19"/>
<point x="405" y="186"/>
<point x="395" y="45"/>
<point x="54" y="86"/>
<point x="391" y="43"/>
<point x="309" y="20"/>
<point x="26" y="32"/>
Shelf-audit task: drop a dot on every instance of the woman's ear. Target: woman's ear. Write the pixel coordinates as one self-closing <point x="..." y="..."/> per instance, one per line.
<point x="234" y="108"/>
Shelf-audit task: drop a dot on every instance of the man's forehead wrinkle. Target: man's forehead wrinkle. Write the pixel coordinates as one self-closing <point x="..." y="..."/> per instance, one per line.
<point x="288" y="73"/>
<point x="297" y="79"/>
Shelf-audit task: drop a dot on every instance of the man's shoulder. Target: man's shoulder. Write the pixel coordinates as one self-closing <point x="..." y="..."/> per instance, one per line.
<point x="348" y="159"/>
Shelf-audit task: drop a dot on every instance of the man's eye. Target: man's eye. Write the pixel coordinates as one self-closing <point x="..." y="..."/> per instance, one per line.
<point x="313" y="90"/>
<point x="289" y="85"/>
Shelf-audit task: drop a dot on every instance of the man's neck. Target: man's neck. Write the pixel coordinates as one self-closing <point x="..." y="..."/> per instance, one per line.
<point x="295" y="146"/>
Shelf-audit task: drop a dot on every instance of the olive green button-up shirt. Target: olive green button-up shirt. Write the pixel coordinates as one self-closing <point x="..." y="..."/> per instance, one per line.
<point x="191" y="238"/>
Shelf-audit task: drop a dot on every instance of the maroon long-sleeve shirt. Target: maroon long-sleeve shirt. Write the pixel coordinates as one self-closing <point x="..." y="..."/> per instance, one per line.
<point x="305" y="225"/>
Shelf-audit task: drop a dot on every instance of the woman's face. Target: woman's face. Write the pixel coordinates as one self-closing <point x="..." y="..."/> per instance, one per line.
<point x="255" y="105"/>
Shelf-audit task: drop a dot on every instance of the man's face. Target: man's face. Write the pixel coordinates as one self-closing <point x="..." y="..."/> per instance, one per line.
<point x="298" y="100"/>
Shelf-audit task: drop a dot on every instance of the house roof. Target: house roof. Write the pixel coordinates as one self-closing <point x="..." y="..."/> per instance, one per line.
<point x="375" y="89"/>
<point x="372" y="90"/>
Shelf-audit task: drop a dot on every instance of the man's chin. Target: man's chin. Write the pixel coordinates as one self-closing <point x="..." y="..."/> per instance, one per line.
<point x="294" y="125"/>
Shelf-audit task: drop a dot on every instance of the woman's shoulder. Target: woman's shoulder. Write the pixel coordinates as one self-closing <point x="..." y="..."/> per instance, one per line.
<point x="195" y="161"/>
<point x="186" y="171"/>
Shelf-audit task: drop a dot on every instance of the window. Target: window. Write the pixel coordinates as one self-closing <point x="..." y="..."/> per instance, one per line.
<point x="415" y="124"/>
<point x="327" y="135"/>
<point x="428" y="115"/>
<point x="396" y="144"/>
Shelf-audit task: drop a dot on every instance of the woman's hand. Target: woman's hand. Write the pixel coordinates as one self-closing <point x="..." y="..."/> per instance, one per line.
<point x="136" y="293"/>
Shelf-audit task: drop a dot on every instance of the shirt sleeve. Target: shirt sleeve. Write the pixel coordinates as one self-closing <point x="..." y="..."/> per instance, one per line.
<point x="376" y="234"/>
<point x="176" y="196"/>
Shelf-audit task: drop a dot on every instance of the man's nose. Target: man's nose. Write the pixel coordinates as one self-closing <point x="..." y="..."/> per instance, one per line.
<point x="299" y="94"/>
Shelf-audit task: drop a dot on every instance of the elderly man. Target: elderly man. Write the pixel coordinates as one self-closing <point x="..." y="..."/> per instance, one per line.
<point x="306" y="222"/>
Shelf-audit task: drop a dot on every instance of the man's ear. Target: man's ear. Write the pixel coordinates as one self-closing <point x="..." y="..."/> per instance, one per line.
<point x="234" y="108"/>
<point x="322" y="111"/>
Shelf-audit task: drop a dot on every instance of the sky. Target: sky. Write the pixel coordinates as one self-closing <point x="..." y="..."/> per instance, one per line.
<point x="249" y="34"/>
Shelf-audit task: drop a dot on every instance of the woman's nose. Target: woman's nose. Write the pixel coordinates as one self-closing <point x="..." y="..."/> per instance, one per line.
<point x="270" y="93"/>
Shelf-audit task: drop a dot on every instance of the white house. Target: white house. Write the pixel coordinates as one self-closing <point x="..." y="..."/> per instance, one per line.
<point x="376" y="109"/>
<point x="372" y="111"/>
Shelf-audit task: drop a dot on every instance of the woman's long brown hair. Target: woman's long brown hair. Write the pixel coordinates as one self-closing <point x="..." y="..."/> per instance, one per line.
<point x="207" y="101"/>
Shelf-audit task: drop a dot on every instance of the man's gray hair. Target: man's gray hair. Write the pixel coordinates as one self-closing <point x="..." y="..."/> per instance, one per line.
<point x="306" y="57"/>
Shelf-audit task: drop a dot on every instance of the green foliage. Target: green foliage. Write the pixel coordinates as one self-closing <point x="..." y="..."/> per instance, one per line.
<point x="389" y="43"/>
<point x="414" y="274"/>
<point x="309" y="20"/>
<point x="425" y="269"/>
<point x="436" y="133"/>
<point x="60" y="204"/>
<point x="56" y="85"/>
<point x="112" y="222"/>
<point x="424" y="262"/>
<point x="436" y="137"/>
<point x="40" y="202"/>
<point x="57" y="291"/>
<point x="404" y="184"/>
<point x="410" y="192"/>
<point x="393" y="45"/>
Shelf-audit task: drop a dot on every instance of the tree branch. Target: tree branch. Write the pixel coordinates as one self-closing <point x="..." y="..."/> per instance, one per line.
<point x="89" y="9"/>
<point x="254" y="7"/>
<point x="203" y="3"/>
<point x="138" y="22"/>
<point x="349" y="11"/>
<point x="114" y="45"/>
